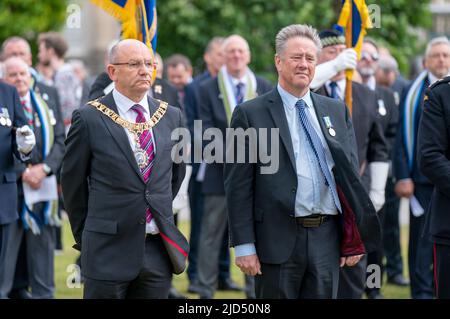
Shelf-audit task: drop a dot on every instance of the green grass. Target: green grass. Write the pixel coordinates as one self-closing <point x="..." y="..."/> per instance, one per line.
<point x="69" y="255"/>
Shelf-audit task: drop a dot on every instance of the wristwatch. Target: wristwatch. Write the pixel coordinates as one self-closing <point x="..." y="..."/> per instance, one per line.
<point x="47" y="169"/>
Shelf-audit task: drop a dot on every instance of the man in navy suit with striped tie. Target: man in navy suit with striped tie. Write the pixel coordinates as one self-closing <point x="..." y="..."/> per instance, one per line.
<point x="293" y="227"/>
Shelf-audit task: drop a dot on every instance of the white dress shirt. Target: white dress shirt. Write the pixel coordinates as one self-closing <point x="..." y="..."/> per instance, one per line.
<point x="124" y="105"/>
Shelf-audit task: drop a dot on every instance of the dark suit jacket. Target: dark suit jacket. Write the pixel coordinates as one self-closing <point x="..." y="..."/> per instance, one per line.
<point x="401" y="167"/>
<point x="106" y="197"/>
<point x="212" y="113"/>
<point x="262" y="206"/>
<point x="433" y="153"/>
<point x="389" y="121"/>
<point x="370" y="140"/>
<point x="54" y="158"/>
<point x="9" y="99"/>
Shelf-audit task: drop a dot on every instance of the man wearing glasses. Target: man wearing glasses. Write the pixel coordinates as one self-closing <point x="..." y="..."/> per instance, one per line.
<point x="119" y="181"/>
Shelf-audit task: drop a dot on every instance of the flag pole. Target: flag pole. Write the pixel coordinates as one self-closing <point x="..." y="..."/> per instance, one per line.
<point x="348" y="42"/>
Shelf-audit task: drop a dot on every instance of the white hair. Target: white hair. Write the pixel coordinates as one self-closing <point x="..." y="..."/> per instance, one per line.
<point x="435" y="41"/>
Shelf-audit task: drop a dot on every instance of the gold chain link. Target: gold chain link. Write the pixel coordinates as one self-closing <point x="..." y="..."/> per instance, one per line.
<point x="132" y="127"/>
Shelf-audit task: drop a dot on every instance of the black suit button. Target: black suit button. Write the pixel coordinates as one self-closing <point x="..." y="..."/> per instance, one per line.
<point x="142" y="221"/>
<point x="294" y="190"/>
<point x="147" y="193"/>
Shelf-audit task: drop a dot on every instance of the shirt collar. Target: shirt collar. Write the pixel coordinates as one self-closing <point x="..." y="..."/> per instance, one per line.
<point x="340" y="86"/>
<point x="26" y="98"/>
<point x="290" y="100"/>
<point x="124" y="104"/>
<point x="235" y="81"/>
<point x="433" y="78"/>
<point x="372" y="83"/>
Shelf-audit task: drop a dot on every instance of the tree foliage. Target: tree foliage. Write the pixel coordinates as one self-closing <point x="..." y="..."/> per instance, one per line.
<point x="185" y="26"/>
<point x="28" y="18"/>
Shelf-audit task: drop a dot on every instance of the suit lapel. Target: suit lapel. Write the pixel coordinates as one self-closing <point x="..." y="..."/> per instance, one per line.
<point x="118" y="133"/>
<point x="159" y="137"/>
<point x="276" y="109"/>
<point x="323" y="111"/>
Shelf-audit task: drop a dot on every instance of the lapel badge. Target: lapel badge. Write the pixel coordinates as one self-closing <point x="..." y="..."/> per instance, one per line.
<point x="158" y="89"/>
<point x="45" y="96"/>
<point x="52" y="118"/>
<point x="4" y="117"/>
<point x="329" y="126"/>
<point x="381" y="108"/>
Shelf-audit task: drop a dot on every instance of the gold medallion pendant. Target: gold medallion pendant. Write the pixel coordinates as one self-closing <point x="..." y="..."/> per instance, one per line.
<point x="141" y="157"/>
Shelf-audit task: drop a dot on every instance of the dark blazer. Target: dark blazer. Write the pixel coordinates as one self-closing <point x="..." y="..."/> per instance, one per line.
<point x="262" y="206"/>
<point x="106" y="197"/>
<point x="212" y="113"/>
<point x="433" y="154"/>
<point x="370" y="140"/>
<point x="388" y="120"/>
<point x="9" y="99"/>
<point x="161" y="89"/>
<point x="54" y="158"/>
<point x="401" y="167"/>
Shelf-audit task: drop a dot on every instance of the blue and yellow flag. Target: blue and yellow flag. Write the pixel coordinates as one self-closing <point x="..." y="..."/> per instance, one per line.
<point x="360" y="21"/>
<point x="138" y="18"/>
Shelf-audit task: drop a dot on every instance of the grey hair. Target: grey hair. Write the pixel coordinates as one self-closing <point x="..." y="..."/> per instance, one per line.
<point x="388" y="63"/>
<point x="214" y="41"/>
<point x="15" y="39"/>
<point x="293" y="31"/>
<point x="435" y="41"/>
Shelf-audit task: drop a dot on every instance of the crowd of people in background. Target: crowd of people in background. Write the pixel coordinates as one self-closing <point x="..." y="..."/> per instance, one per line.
<point x="387" y="107"/>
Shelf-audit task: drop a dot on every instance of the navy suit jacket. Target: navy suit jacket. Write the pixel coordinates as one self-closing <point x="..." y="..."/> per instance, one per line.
<point x="9" y="99"/>
<point x="401" y="168"/>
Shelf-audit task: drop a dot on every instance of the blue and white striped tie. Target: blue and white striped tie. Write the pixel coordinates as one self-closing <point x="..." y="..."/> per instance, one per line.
<point x="319" y="151"/>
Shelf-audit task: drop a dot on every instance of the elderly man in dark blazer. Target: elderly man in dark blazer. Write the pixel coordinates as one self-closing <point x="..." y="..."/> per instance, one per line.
<point x="119" y="180"/>
<point x="41" y="107"/>
<point x="234" y="84"/>
<point x="294" y="227"/>
<point x="12" y="145"/>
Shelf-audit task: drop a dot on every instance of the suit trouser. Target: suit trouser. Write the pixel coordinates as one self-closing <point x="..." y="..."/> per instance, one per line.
<point x="391" y="232"/>
<point x="420" y="252"/>
<point x="196" y="201"/>
<point x="311" y="272"/>
<point x="214" y="226"/>
<point x="442" y="270"/>
<point x="40" y="260"/>
<point x="152" y="282"/>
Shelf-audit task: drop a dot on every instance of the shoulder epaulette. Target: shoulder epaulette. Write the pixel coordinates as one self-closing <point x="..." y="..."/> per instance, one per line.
<point x="445" y="80"/>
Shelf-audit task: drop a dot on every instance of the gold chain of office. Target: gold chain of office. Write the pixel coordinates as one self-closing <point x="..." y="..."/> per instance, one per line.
<point x="133" y="127"/>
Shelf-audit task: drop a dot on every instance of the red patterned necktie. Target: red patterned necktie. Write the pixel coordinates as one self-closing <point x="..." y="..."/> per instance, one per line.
<point x="28" y="112"/>
<point x="146" y="144"/>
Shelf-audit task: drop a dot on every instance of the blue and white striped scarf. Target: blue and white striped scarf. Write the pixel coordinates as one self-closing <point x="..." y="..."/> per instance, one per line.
<point x="33" y="220"/>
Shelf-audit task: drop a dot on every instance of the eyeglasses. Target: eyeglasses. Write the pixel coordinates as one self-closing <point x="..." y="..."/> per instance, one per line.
<point x="135" y="65"/>
<point x="365" y="56"/>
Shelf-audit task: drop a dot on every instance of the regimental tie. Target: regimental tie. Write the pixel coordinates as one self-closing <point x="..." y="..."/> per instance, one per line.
<point x="239" y="93"/>
<point x="28" y="110"/>
<point x="146" y="144"/>
<point x="319" y="151"/>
